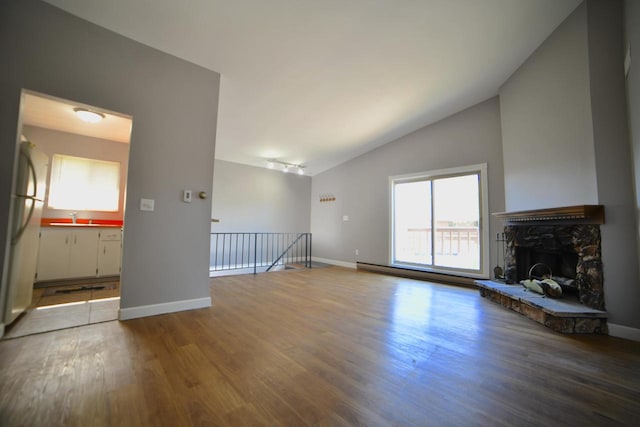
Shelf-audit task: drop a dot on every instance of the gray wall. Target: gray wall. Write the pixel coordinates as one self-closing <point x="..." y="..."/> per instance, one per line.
<point x="613" y="161"/>
<point x="361" y="185"/>
<point x="253" y="199"/>
<point x="55" y="142"/>
<point x="174" y="108"/>
<point x="549" y="157"/>
<point x="632" y="33"/>
<point x="599" y="129"/>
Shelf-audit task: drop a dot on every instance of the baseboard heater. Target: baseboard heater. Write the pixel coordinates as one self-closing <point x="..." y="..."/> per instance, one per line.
<point x="418" y="274"/>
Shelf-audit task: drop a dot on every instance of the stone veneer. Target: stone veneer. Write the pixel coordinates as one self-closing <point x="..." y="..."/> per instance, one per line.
<point x="581" y="239"/>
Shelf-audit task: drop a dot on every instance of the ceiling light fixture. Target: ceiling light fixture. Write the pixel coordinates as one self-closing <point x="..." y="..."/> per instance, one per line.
<point x="286" y="166"/>
<point x="88" y="115"/>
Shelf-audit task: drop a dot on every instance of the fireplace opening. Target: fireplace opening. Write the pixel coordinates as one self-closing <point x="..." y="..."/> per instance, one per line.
<point x="560" y="265"/>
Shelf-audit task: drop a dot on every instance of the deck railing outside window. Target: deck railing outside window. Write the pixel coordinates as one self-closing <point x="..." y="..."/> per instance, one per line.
<point x="454" y="246"/>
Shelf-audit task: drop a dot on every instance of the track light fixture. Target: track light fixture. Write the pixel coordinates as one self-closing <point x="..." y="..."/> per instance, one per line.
<point x="286" y="166"/>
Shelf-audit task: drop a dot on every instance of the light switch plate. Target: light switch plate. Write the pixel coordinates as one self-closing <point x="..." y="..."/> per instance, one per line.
<point x="345" y="217"/>
<point x="147" y="204"/>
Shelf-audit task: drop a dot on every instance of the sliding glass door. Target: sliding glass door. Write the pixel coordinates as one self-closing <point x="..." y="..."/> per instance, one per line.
<point x="437" y="220"/>
<point x="412" y="225"/>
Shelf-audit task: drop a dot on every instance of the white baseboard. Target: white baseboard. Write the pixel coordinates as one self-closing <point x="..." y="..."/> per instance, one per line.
<point x="334" y="262"/>
<point x="625" y="332"/>
<point x="167" y="307"/>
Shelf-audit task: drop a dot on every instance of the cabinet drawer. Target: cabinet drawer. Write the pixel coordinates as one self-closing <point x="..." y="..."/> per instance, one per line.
<point x="109" y="235"/>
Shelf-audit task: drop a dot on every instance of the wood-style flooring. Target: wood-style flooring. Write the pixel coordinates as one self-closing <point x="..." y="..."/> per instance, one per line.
<point x="326" y="347"/>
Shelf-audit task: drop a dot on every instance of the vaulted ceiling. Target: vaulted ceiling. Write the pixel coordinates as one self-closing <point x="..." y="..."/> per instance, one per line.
<point x="320" y="82"/>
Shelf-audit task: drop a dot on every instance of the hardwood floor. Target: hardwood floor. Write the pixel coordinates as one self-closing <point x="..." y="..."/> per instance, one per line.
<point x="323" y="347"/>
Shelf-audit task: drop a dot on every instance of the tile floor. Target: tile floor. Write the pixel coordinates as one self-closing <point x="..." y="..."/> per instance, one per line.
<point x="67" y="310"/>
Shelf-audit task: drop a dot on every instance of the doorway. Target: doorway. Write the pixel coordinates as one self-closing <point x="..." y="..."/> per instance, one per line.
<point x="70" y="276"/>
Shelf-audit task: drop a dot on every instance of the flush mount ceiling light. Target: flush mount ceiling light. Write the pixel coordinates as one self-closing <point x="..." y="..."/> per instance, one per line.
<point x="88" y="115"/>
<point x="286" y="166"/>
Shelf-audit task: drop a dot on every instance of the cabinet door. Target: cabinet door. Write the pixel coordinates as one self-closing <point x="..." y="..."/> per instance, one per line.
<point x="53" y="254"/>
<point x="83" y="257"/>
<point x="109" y="258"/>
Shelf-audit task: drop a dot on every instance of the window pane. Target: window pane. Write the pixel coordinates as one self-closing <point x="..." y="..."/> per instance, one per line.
<point x="84" y="184"/>
<point x="456" y="203"/>
<point x="412" y="225"/>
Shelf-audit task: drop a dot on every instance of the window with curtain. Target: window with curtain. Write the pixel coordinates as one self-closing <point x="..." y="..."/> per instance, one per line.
<point x="78" y="183"/>
<point x="437" y="221"/>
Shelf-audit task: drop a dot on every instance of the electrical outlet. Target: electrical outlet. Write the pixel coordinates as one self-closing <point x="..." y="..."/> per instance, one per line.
<point x="357" y="252"/>
<point x="186" y="196"/>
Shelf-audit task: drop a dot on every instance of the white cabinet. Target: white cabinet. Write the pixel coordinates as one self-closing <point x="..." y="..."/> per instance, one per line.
<point x="109" y="252"/>
<point x="53" y="255"/>
<point x="66" y="253"/>
<point x="75" y="252"/>
<point x="83" y="246"/>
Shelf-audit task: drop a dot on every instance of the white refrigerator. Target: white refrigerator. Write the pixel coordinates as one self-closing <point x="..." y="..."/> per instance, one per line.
<point x="27" y="201"/>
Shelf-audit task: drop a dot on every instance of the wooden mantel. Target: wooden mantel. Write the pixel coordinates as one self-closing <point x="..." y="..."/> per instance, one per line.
<point x="585" y="214"/>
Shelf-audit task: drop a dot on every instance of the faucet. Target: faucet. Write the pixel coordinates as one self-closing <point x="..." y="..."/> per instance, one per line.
<point x="74" y="216"/>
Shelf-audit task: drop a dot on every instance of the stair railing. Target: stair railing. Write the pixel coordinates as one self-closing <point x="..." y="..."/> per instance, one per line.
<point x="254" y="252"/>
<point x="286" y="251"/>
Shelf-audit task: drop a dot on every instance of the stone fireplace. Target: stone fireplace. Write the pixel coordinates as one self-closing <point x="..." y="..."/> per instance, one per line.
<point x="570" y="253"/>
<point x="561" y="243"/>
